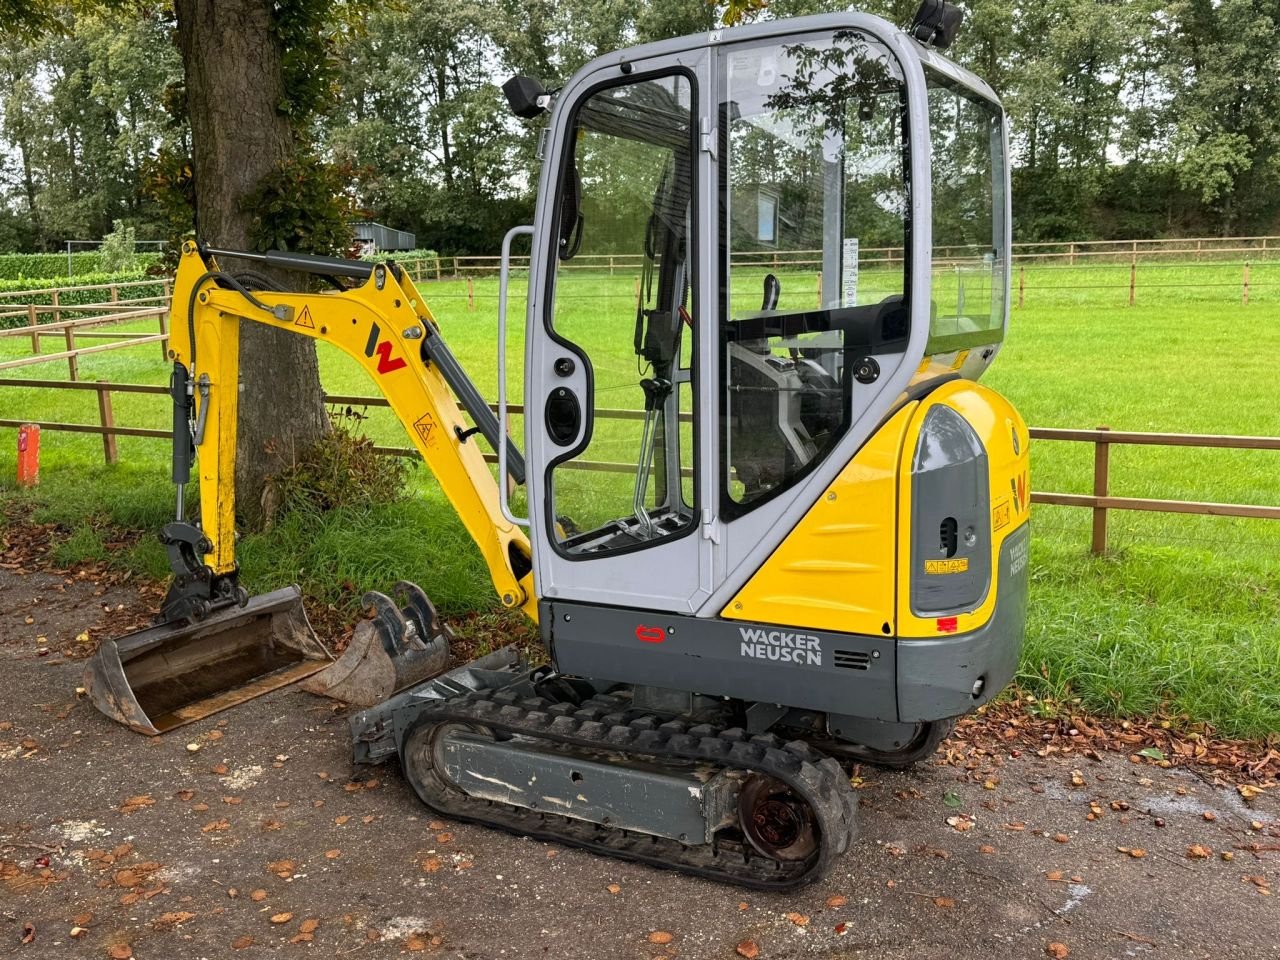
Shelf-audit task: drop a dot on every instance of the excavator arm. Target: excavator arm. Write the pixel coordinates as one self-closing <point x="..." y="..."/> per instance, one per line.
<point x="213" y="645"/>
<point x="384" y="324"/>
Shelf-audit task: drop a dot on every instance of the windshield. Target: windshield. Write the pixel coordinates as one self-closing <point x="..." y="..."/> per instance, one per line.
<point x="970" y="262"/>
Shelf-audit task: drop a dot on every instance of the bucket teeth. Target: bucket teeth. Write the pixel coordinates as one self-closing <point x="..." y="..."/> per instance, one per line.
<point x="395" y="649"/>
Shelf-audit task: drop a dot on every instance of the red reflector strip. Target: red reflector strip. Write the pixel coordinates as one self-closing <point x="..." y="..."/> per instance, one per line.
<point x="650" y="634"/>
<point x="948" y="625"/>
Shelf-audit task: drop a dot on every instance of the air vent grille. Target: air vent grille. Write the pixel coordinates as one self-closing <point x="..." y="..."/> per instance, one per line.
<point x="853" y="659"/>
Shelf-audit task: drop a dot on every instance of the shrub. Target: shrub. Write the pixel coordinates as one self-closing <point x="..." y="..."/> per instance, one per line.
<point x="339" y="470"/>
<point x="118" y="253"/>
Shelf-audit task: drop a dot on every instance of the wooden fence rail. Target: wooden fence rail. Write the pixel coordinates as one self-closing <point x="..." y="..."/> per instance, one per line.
<point x="1103" y="438"/>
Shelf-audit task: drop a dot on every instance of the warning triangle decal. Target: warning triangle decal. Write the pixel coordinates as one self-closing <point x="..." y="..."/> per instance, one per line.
<point x="305" y="319"/>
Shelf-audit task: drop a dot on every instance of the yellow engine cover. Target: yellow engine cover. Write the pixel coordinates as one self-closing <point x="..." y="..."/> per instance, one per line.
<point x="837" y="569"/>
<point x="846" y="565"/>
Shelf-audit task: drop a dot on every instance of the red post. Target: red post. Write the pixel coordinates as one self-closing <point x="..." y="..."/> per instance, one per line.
<point x="28" y="455"/>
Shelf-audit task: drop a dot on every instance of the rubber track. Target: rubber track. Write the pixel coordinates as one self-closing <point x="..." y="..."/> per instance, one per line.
<point x="609" y="724"/>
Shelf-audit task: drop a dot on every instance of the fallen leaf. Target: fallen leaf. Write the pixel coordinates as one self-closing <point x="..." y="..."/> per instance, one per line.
<point x="28" y="932"/>
<point x="82" y="919"/>
<point x="77" y="932"/>
<point x="233" y="801"/>
<point x="748" y="949"/>
<point x="431" y="864"/>
<point x="743" y="905"/>
<point x="1209" y="816"/>
<point x="614" y="889"/>
<point x="435" y="825"/>
<point x="837" y="900"/>
<point x="986" y="848"/>
<point x="193" y="747"/>
<point x="660" y="936"/>
<point x="1059" y="951"/>
<point x="240" y="943"/>
<point x="219" y="769"/>
<point x="271" y="825"/>
<point x="1017" y="826"/>
<point x="136" y="803"/>
<point x="1247" y="791"/>
<point x="961" y="823"/>
<point x="1151" y="753"/>
<point x="120" y="951"/>
<point x="952" y="799"/>
<point x="1137" y="853"/>
<point x="415" y="943"/>
<point x="215" y="825"/>
<point x="1054" y="875"/>
<point x="1198" y="852"/>
<point x="185" y="795"/>
<point x="309" y="925"/>
<point x="258" y="895"/>
<point x="945" y="903"/>
<point x="199" y="807"/>
<point x="1077" y="778"/>
<point x="282" y="868"/>
<point x="332" y="854"/>
<point x="341" y="820"/>
<point x="172" y="919"/>
<point x="444" y="837"/>
<point x="1061" y="838"/>
<point x="799" y="919"/>
<point x="282" y="917"/>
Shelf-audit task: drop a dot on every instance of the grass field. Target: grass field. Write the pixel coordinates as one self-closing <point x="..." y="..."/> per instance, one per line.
<point x="1182" y="618"/>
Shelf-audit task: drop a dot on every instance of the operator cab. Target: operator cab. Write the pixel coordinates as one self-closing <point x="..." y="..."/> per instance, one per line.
<point x="750" y="248"/>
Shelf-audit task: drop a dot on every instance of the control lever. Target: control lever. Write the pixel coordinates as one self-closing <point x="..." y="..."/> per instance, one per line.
<point x="656" y="391"/>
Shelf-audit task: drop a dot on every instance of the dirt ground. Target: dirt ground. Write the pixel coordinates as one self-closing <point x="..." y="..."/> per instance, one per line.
<point x="258" y="843"/>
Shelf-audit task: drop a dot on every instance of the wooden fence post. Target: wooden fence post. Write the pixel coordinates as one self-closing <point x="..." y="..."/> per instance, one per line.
<point x="72" y="366"/>
<point x="1022" y="283"/>
<point x="166" y="311"/>
<point x="108" y="421"/>
<point x="1101" y="484"/>
<point x="115" y="294"/>
<point x="438" y="259"/>
<point x="471" y="295"/>
<point x="1246" y="283"/>
<point x="57" y="314"/>
<point x="1072" y="259"/>
<point x="35" y="334"/>
<point x="1133" y="279"/>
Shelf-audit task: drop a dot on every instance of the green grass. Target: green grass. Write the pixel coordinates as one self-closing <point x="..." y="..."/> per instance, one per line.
<point x="1183" y="618"/>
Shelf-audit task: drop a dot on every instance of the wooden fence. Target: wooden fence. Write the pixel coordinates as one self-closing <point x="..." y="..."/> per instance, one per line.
<point x="1100" y="501"/>
<point x="1078" y="253"/>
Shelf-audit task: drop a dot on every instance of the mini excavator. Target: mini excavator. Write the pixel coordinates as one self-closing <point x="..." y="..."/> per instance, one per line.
<point x="775" y="525"/>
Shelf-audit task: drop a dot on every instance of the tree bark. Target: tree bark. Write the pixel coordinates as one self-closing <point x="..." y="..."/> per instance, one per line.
<point x="232" y="66"/>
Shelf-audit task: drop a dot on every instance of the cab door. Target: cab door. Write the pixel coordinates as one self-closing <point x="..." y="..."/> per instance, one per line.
<point x="616" y="405"/>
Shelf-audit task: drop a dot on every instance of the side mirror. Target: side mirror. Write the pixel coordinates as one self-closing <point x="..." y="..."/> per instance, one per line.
<point x="526" y="96"/>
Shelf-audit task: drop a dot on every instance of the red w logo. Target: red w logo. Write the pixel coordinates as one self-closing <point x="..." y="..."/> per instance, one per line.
<point x="386" y="363"/>
<point x="1024" y="495"/>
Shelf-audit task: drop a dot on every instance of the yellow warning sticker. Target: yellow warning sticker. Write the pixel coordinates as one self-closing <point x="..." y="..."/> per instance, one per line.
<point x="959" y="565"/>
<point x="304" y="319"/>
<point x="1000" y="515"/>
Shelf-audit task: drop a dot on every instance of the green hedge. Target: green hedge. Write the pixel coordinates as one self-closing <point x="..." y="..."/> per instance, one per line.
<point x="428" y="257"/>
<point x="53" y="266"/>
<point x="155" y="288"/>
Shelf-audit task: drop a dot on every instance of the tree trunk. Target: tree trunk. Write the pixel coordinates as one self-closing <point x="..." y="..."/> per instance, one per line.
<point x="233" y="80"/>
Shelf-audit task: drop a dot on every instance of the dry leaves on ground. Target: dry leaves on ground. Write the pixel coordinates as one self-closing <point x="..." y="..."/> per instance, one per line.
<point x="748" y="949"/>
<point x="660" y="936"/>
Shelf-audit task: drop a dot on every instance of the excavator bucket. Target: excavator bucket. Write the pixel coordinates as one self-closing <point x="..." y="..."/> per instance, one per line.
<point x="404" y="643"/>
<point x="173" y="673"/>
